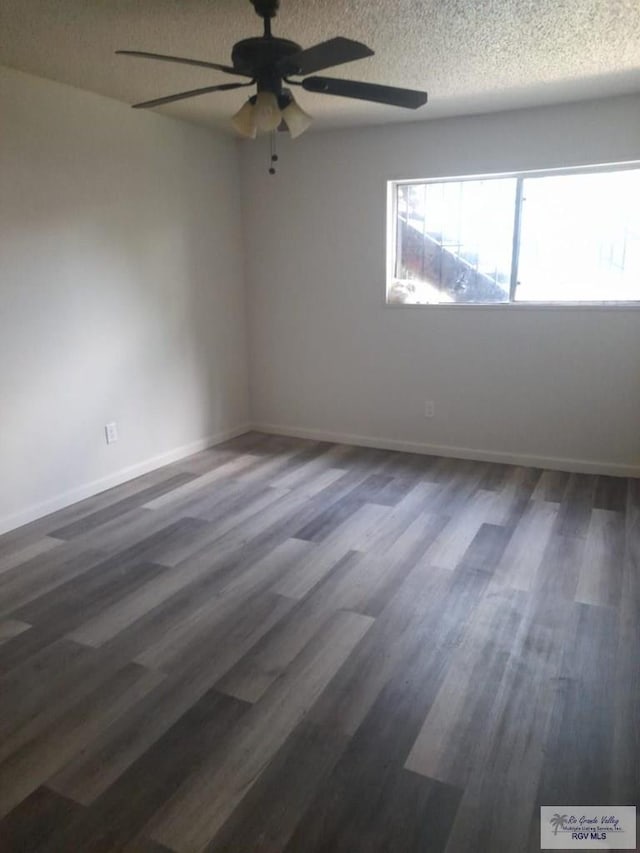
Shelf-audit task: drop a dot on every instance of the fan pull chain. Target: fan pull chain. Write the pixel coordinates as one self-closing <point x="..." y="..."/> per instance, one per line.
<point x="274" y="156"/>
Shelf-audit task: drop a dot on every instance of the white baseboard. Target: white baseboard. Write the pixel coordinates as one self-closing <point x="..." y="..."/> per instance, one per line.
<point x="122" y="476"/>
<point x="580" y="466"/>
<point x="577" y="466"/>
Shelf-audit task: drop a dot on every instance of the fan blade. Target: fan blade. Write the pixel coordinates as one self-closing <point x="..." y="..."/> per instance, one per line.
<point x="324" y="55"/>
<point x="410" y="98"/>
<point x="226" y="68"/>
<point x="168" y="99"/>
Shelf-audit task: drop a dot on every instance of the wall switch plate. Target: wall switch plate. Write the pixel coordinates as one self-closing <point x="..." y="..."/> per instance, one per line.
<point x="429" y="409"/>
<point x="111" y="432"/>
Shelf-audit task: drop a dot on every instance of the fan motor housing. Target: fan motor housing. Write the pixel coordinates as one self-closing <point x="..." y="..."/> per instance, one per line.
<point x="257" y="56"/>
<point x="266" y="8"/>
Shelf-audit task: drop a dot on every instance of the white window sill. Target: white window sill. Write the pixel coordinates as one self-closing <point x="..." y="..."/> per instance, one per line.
<point x="510" y="306"/>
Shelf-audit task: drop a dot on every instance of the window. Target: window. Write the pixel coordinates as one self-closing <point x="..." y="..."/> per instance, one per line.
<point x="554" y="237"/>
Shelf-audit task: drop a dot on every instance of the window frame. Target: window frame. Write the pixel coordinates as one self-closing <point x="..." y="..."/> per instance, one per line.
<point x="511" y="303"/>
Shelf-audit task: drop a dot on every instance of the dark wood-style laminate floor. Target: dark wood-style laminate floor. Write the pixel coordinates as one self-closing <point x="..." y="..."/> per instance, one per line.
<point x="286" y="645"/>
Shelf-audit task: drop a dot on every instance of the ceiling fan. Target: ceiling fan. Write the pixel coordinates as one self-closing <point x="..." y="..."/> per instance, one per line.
<point x="269" y="63"/>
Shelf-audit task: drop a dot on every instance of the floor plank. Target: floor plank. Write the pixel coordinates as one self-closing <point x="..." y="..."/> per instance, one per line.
<point x="32" y="763"/>
<point x="118" y="816"/>
<point x="207" y="799"/>
<point x="290" y="645"/>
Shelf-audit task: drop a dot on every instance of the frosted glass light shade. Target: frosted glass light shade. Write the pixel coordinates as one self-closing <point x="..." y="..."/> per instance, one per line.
<point x="244" y="120"/>
<point x="296" y="119"/>
<point x="267" y="115"/>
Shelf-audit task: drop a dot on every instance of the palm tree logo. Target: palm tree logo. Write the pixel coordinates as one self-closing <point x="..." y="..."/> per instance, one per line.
<point x="557" y="821"/>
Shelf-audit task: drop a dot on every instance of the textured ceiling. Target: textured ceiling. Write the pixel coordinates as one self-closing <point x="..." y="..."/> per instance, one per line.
<point x="470" y="56"/>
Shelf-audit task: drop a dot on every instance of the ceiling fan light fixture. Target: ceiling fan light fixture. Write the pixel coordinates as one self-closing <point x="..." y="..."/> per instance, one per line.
<point x="266" y="112"/>
<point x="244" y="120"/>
<point x="296" y="119"/>
<point x="267" y="62"/>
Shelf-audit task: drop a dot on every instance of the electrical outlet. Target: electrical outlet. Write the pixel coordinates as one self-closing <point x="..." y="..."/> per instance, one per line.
<point x="111" y="432"/>
<point x="429" y="409"/>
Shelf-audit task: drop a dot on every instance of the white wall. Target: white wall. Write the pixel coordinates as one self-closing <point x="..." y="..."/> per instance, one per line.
<point x="121" y="292"/>
<point x="121" y="297"/>
<point x="548" y="386"/>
